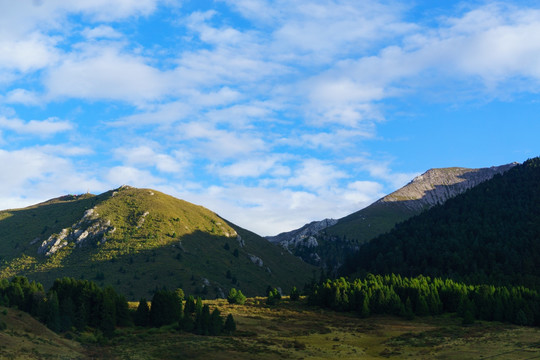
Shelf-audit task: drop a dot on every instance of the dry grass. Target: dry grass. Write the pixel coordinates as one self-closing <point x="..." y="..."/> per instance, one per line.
<point x="26" y="338"/>
<point x="290" y="330"/>
<point x="294" y="330"/>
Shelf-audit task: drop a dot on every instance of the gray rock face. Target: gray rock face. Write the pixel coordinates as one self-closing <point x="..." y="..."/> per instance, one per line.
<point x="435" y="186"/>
<point x="91" y="228"/>
<point x="256" y="260"/>
<point x="304" y="236"/>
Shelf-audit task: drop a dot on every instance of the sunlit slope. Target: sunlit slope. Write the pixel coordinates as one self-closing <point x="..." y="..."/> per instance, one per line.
<point x="139" y="240"/>
<point x="433" y="187"/>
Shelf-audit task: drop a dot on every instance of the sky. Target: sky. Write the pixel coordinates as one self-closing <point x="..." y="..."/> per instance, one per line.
<point x="272" y="114"/>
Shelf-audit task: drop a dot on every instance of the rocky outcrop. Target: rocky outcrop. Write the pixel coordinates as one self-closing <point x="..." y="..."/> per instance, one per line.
<point x="256" y="260"/>
<point x="89" y="229"/>
<point x="305" y="236"/>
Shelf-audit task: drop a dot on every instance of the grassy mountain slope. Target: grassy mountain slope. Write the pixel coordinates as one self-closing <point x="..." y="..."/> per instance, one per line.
<point x="327" y="243"/>
<point x="26" y="338"/>
<point x="490" y="233"/>
<point x="433" y="187"/>
<point x="140" y="239"/>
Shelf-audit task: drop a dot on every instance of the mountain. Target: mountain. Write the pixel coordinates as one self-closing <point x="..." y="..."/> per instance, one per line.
<point x="305" y="236"/>
<point x="488" y="234"/>
<point x="139" y="240"/>
<point x="327" y="243"/>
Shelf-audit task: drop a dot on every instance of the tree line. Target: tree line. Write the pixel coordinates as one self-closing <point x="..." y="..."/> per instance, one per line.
<point x="420" y="296"/>
<point x="167" y="308"/>
<point x="72" y="304"/>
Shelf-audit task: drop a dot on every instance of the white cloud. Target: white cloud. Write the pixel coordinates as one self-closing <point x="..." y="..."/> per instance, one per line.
<point x="101" y="31"/>
<point x="214" y="143"/>
<point x="380" y="169"/>
<point x="146" y="156"/>
<point x="253" y="168"/>
<point x="36" y="175"/>
<point x="22" y="96"/>
<point x="42" y="128"/>
<point x="106" y="73"/>
<point x="32" y="53"/>
<point x="129" y="175"/>
<point x="271" y="210"/>
<point x="315" y="174"/>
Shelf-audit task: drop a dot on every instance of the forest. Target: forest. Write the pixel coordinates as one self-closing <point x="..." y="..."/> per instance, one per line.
<point x="72" y="304"/>
<point x="421" y="296"/>
<point x="488" y="235"/>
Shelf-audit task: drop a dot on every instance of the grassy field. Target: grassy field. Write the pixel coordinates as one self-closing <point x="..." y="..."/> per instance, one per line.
<point x="290" y="330"/>
<point x="26" y="338"/>
<point x="294" y="330"/>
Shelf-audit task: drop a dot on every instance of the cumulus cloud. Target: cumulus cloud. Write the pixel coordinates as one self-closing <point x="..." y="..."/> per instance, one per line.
<point x="215" y="143"/>
<point x="271" y="210"/>
<point x="34" y="52"/>
<point x="38" y="174"/>
<point x="42" y="128"/>
<point x="315" y="174"/>
<point x="101" y="31"/>
<point x="146" y="156"/>
<point x="106" y="73"/>
<point x="254" y="168"/>
<point x="129" y="175"/>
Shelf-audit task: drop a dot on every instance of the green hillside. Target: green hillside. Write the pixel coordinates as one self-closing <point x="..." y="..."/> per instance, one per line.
<point x="139" y="240"/>
<point x="23" y="337"/>
<point x="376" y="219"/>
<point x="490" y="233"/>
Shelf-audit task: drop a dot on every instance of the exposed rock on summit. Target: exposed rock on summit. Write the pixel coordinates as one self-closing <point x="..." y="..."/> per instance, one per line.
<point x="435" y="186"/>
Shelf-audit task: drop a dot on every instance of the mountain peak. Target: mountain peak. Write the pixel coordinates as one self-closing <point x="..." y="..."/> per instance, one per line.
<point x="435" y="186"/>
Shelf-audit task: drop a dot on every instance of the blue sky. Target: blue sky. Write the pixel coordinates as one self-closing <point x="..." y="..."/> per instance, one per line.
<point x="270" y="113"/>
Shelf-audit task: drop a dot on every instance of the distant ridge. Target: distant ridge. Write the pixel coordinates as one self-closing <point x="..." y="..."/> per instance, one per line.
<point x="489" y="234"/>
<point x="327" y="243"/>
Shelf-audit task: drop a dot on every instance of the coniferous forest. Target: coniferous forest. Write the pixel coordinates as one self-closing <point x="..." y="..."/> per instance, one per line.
<point x="490" y="234"/>
<point x="72" y="304"/>
<point x="421" y="296"/>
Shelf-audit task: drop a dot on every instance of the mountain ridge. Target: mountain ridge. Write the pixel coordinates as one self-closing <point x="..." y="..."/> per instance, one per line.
<point x="433" y="187"/>
<point x="488" y="234"/>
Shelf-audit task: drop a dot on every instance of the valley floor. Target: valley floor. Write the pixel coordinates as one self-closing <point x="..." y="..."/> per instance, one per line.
<point x="291" y="330"/>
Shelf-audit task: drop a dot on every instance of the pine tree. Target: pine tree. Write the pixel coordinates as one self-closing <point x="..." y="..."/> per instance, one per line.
<point x="142" y="315"/>
<point x="365" y="310"/>
<point x="230" y="325"/>
<point x="216" y="323"/>
<point x="295" y="295"/>
<point x="53" y="312"/>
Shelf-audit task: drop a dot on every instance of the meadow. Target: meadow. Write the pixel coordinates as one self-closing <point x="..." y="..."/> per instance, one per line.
<point x="289" y="330"/>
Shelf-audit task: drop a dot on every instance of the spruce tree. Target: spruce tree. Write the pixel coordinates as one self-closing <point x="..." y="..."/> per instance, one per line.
<point x="216" y="323"/>
<point x="142" y="315"/>
<point x="230" y="325"/>
<point x="295" y="295"/>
